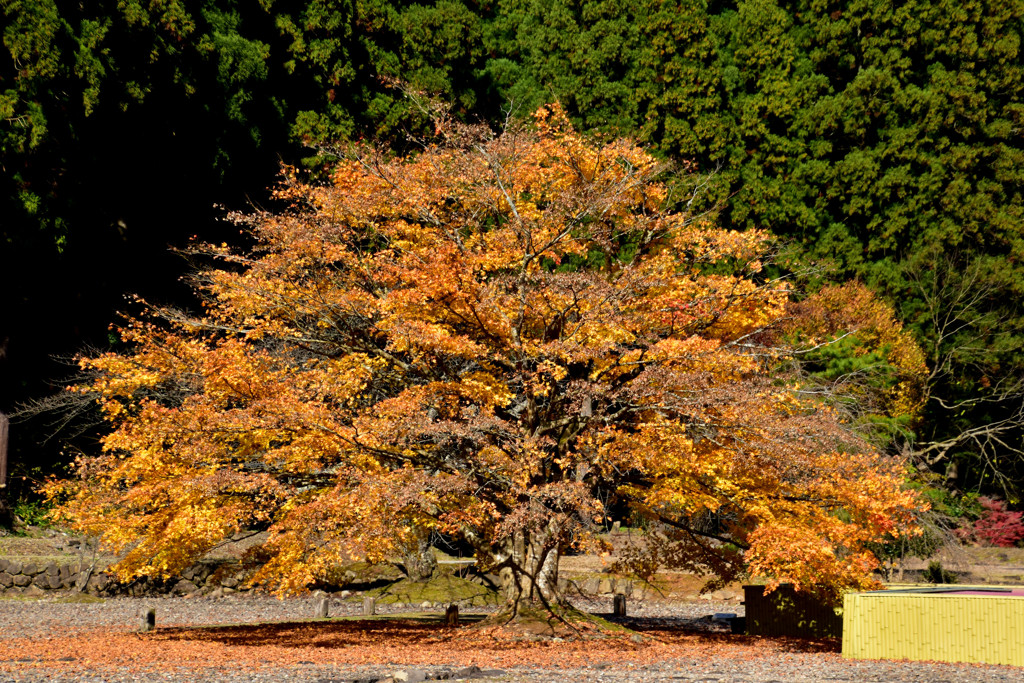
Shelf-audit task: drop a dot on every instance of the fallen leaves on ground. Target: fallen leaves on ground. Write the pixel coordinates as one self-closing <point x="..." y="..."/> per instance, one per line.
<point x="371" y="642"/>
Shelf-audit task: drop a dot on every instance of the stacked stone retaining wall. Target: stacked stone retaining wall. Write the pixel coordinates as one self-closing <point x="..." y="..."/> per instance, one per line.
<point x="35" y="578"/>
<point x="15" y="575"/>
<point x="218" y="578"/>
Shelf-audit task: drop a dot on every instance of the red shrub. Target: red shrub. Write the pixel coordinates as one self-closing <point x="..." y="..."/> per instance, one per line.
<point x="998" y="526"/>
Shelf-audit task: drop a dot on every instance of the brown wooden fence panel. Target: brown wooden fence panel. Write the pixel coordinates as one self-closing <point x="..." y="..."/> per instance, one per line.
<point x="784" y="612"/>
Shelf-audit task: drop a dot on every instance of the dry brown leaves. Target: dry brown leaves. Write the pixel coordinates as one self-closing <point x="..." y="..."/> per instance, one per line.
<point x="368" y="643"/>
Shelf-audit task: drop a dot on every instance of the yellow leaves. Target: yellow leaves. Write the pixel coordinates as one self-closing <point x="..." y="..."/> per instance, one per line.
<point x="697" y="351"/>
<point x="341" y="380"/>
<point x="702" y="242"/>
<point x="486" y="389"/>
<point x="480" y="339"/>
<point x="852" y="310"/>
<point x="545" y="376"/>
<point x="683" y="479"/>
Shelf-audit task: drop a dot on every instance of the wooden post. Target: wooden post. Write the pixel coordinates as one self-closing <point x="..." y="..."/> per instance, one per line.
<point x="369" y="607"/>
<point x="6" y="515"/>
<point x="619" y="605"/>
<point x="451" y="616"/>
<point x="147" y="619"/>
<point x="322" y="606"/>
<point x="4" y="435"/>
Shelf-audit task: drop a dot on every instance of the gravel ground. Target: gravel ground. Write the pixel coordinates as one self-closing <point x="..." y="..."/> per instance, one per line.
<point x="46" y="617"/>
<point x="53" y="622"/>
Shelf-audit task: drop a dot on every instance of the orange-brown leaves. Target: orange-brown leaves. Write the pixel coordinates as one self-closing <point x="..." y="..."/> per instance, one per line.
<point x="853" y="316"/>
<point x="484" y="340"/>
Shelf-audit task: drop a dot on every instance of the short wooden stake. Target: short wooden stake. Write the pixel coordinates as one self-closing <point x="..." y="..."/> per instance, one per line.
<point x="322" y="605"/>
<point x="4" y="422"/>
<point x="451" y="616"/>
<point x="369" y="607"/>
<point x="620" y="605"/>
<point x="147" y="619"/>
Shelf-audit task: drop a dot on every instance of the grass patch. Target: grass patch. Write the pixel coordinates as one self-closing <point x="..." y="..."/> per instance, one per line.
<point x="18" y="597"/>
<point x="80" y="599"/>
<point x="442" y="588"/>
<point x="75" y="598"/>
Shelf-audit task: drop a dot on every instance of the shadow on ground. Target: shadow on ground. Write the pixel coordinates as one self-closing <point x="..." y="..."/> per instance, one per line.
<point x="429" y="631"/>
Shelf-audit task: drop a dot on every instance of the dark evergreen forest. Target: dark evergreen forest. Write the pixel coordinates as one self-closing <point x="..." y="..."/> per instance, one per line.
<point x="882" y="141"/>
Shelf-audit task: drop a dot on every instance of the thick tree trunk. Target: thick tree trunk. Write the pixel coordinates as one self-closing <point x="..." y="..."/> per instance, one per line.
<point x="530" y="569"/>
<point x="528" y="562"/>
<point x="419" y="561"/>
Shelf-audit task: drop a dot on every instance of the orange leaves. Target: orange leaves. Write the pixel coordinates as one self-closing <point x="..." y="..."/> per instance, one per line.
<point x="781" y="478"/>
<point x="704" y="243"/>
<point x="484" y="340"/>
<point x="852" y="314"/>
<point x="808" y="559"/>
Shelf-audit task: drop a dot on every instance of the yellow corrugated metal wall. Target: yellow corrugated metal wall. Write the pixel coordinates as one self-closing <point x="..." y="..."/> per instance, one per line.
<point x="948" y="628"/>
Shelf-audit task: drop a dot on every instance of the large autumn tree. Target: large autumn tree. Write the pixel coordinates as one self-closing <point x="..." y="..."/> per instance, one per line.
<point x="483" y="339"/>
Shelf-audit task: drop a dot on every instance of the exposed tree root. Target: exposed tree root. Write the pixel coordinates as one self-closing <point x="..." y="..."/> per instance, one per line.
<point x="539" y="621"/>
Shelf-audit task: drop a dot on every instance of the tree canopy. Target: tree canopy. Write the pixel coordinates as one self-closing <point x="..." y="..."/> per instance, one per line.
<point x="483" y="339"/>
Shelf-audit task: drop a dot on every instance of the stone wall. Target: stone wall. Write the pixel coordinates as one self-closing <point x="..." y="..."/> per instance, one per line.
<point x="222" y="577"/>
<point x="606" y="585"/>
<point x="35" y="578"/>
<point x="18" y="576"/>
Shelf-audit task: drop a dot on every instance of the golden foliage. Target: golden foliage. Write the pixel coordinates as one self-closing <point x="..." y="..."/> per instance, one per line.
<point x="482" y="340"/>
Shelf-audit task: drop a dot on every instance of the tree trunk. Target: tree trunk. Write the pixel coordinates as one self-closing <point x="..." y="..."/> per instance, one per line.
<point x="4" y="433"/>
<point x="6" y="514"/>
<point x="530" y="569"/>
<point x="419" y="561"/>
